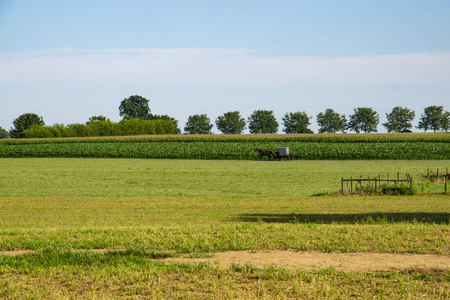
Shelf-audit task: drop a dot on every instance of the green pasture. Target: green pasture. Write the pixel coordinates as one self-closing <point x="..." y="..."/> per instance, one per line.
<point x="45" y="201"/>
<point x="140" y="211"/>
<point x="192" y="178"/>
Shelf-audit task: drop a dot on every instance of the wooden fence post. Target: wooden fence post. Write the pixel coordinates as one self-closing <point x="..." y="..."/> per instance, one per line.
<point x="446" y="183"/>
<point x="342" y="185"/>
<point x="360" y="183"/>
<point x="376" y="188"/>
<point x="411" y="185"/>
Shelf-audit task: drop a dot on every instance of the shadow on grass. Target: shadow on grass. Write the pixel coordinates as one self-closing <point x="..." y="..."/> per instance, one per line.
<point x="368" y="218"/>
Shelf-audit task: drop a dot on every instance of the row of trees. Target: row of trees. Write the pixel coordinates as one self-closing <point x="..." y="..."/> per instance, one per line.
<point x="364" y="119"/>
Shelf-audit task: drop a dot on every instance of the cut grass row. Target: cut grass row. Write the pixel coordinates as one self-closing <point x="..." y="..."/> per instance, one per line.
<point x="375" y="236"/>
<point x="130" y="277"/>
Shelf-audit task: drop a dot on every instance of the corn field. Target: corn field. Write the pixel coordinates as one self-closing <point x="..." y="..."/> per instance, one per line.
<point x="241" y="147"/>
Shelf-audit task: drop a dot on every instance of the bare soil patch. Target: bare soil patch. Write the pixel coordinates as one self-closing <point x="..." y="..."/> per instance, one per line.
<point x="347" y="262"/>
<point x="309" y="261"/>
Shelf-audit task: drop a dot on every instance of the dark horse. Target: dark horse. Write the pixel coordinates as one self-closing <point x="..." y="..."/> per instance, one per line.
<point x="262" y="153"/>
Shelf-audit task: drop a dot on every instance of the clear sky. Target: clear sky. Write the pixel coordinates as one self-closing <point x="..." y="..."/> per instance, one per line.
<point x="68" y="60"/>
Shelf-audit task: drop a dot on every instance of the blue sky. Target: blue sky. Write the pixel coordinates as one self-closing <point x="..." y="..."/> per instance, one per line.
<point x="69" y="60"/>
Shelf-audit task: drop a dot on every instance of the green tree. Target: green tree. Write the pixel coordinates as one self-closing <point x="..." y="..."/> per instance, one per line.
<point x="230" y="123"/>
<point x="3" y="133"/>
<point x="24" y="122"/>
<point x="96" y="118"/>
<point x="434" y="118"/>
<point x="331" y="122"/>
<point x="399" y="119"/>
<point x="262" y="121"/>
<point x="168" y="118"/>
<point x="445" y="123"/>
<point x="198" y="124"/>
<point x="364" y="119"/>
<point x="135" y="107"/>
<point x="296" y="122"/>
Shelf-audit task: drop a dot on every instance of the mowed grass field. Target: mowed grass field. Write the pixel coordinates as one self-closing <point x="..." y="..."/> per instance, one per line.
<point x="100" y="228"/>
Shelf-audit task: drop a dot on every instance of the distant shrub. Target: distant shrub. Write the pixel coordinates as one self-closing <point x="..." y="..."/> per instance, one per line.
<point x="3" y="133"/>
<point x="37" y="131"/>
<point x="103" y="128"/>
<point x="137" y="127"/>
<point x="77" y="130"/>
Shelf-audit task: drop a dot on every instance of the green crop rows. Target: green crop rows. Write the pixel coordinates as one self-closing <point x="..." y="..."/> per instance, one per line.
<point x="316" y="138"/>
<point x="332" y="147"/>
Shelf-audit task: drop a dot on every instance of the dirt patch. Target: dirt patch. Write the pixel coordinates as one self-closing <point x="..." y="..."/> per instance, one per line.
<point x="308" y="261"/>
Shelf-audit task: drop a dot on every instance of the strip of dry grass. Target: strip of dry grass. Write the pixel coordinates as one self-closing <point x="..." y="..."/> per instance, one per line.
<point x="163" y="281"/>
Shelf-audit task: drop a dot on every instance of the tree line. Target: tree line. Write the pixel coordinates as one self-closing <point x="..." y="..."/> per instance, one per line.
<point x="138" y="119"/>
<point x="364" y="119"/>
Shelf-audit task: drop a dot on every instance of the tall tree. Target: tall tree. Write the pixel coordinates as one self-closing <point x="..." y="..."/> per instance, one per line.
<point x="445" y="123"/>
<point x="296" y="122"/>
<point x="399" y="119"/>
<point x="198" y="124"/>
<point x="331" y="122"/>
<point x="230" y="123"/>
<point x="262" y="121"/>
<point x="364" y="119"/>
<point x="24" y="122"/>
<point x="135" y="107"/>
<point x="434" y="118"/>
<point x="96" y="118"/>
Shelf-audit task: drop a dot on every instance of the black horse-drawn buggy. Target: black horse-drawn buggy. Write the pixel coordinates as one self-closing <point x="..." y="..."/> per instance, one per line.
<point x="281" y="152"/>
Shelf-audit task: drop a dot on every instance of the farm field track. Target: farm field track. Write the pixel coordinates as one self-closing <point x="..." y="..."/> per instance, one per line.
<point x="109" y="228"/>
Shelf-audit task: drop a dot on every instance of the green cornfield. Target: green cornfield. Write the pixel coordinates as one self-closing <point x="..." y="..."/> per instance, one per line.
<point x="241" y="147"/>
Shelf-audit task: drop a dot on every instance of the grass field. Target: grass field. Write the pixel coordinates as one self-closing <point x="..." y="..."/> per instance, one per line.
<point x="101" y="228"/>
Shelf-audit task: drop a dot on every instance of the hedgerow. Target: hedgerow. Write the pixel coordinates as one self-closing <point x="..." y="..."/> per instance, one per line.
<point x="101" y="128"/>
